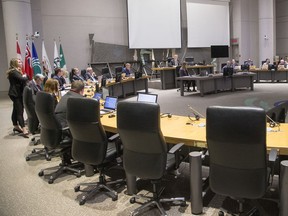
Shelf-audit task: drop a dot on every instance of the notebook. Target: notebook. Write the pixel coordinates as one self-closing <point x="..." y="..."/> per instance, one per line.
<point x="110" y="105"/>
<point x="152" y="98"/>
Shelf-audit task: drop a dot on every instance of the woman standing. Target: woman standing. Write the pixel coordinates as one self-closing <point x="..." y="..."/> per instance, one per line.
<point x="17" y="82"/>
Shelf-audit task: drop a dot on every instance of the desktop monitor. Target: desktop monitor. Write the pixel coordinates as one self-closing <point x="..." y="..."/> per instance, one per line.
<point x="118" y="77"/>
<point x="189" y="60"/>
<point x="118" y="69"/>
<point x="144" y="97"/>
<point x="138" y="75"/>
<point x="219" y="51"/>
<point x="227" y="71"/>
<point x="272" y="67"/>
<point x="105" y="70"/>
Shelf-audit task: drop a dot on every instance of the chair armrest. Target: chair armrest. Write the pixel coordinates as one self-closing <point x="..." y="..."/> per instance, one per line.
<point x="175" y="148"/>
<point x="114" y="137"/>
<point x="272" y="155"/>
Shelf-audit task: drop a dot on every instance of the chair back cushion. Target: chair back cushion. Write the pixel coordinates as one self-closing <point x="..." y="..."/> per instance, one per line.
<point x="51" y="131"/>
<point x="89" y="144"/>
<point x="29" y="105"/>
<point x="145" y="150"/>
<point x="236" y="138"/>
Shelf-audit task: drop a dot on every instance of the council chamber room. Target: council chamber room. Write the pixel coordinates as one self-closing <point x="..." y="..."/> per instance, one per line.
<point x="155" y="107"/>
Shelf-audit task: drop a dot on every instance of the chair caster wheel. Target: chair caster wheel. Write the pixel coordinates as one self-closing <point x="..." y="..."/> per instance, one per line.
<point x="82" y="202"/>
<point x="115" y="198"/>
<point x="27" y="158"/>
<point x="221" y="213"/>
<point x="132" y="200"/>
<point x="77" y="188"/>
<point x="33" y="151"/>
<point x="41" y="173"/>
<point x="50" y="181"/>
<point x="78" y="175"/>
<point x="183" y="204"/>
<point x="48" y="158"/>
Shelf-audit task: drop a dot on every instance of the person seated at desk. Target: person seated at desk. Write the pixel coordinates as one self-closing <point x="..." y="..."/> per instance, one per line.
<point x="266" y="65"/>
<point x="77" y="90"/>
<point x="52" y="87"/>
<point x="36" y="83"/>
<point x="76" y="75"/>
<point x="228" y="65"/>
<point x="59" y="77"/>
<point x="127" y="70"/>
<point x="184" y="72"/>
<point x="90" y="75"/>
<point x="174" y="61"/>
<point x="282" y="65"/>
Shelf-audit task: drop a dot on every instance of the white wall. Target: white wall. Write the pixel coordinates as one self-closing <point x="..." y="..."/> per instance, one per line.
<point x="282" y="28"/>
<point x="3" y="60"/>
<point x="74" y="20"/>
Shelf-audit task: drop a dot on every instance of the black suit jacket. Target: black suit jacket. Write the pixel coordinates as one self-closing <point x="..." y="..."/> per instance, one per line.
<point x="17" y="83"/>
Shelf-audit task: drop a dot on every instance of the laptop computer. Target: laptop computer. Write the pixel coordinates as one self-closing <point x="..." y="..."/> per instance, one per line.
<point x="151" y="98"/>
<point x="110" y="105"/>
<point x="97" y="96"/>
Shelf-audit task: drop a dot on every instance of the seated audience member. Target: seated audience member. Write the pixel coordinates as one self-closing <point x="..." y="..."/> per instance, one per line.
<point x="234" y="63"/>
<point x="59" y="77"/>
<point x="248" y="62"/>
<point x="228" y="65"/>
<point x="282" y="65"/>
<point x="127" y="69"/>
<point x="90" y="75"/>
<point x="266" y="64"/>
<point x="52" y="86"/>
<point x="174" y="61"/>
<point x="76" y="75"/>
<point x="184" y="72"/>
<point x="36" y="83"/>
<point x="77" y="90"/>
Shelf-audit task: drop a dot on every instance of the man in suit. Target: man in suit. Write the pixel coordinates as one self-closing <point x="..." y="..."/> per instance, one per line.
<point x="59" y="77"/>
<point x="175" y="61"/>
<point x="36" y="84"/>
<point x="90" y="75"/>
<point x="127" y="69"/>
<point x="77" y="90"/>
<point x="76" y="75"/>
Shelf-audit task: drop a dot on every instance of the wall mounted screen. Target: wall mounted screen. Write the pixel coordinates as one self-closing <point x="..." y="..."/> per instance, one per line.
<point x="219" y="51"/>
<point x="207" y="23"/>
<point x="154" y="24"/>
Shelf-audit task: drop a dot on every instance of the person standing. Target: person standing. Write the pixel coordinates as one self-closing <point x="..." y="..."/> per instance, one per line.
<point x="17" y="81"/>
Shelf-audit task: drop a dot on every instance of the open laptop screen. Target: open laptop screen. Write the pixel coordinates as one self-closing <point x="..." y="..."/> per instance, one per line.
<point x="110" y="103"/>
<point x="97" y="96"/>
<point x="152" y="98"/>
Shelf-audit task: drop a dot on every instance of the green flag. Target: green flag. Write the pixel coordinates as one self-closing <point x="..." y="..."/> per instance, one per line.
<point x="62" y="59"/>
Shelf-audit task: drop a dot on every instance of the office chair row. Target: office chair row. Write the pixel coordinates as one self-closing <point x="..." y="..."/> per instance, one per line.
<point x="236" y="139"/>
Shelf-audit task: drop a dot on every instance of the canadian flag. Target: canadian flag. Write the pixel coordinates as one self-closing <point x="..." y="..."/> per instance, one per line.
<point x="28" y="62"/>
<point x="19" y="56"/>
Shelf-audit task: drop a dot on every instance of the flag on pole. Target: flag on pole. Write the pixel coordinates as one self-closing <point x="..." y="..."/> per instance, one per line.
<point x="35" y="61"/>
<point x="62" y="59"/>
<point x="45" y="62"/>
<point x="153" y="58"/>
<point x="19" y="56"/>
<point x="135" y="57"/>
<point x="56" y="56"/>
<point x="28" y="62"/>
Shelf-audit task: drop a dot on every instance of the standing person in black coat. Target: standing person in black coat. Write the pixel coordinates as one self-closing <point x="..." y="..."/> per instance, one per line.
<point x="17" y="81"/>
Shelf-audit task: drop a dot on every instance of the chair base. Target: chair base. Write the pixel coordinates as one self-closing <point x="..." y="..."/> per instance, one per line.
<point x="63" y="168"/>
<point x="97" y="186"/>
<point x="155" y="202"/>
<point x="36" y="152"/>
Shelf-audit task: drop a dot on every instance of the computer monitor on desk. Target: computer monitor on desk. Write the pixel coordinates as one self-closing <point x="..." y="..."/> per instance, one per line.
<point x="144" y="97"/>
<point x="189" y="60"/>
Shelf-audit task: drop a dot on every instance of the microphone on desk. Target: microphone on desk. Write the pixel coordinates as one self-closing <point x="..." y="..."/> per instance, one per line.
<point x="272" y="123"/>
<point x="196" y="113"/>
<point x="162" y="115"/>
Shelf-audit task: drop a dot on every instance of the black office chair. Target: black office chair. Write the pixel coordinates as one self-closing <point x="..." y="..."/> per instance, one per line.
<point x="278" y="113"/>
<point x="144" y="148"/>
<point x="90" y="144"/>
<point x="53" y="136"/>
<point x="236" y="139"/>
<point x="33" y="125"/>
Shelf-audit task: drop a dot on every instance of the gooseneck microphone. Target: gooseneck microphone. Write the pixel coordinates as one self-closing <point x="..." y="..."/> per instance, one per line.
<point x="196" y="113"/>
<point x="272" y="123"/>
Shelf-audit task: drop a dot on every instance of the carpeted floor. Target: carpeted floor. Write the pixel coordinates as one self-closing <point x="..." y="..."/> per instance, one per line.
<point x="23" y="192"/>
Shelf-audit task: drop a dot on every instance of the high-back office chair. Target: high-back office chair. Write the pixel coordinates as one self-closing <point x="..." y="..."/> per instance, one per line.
<point x="278" y="113"/>
<point x="90" y="144"/>
<point x="144" y="148"/>
<point x="33" y="124"/>
<point x="53" y="136"/>
<point x="236" y="139"/>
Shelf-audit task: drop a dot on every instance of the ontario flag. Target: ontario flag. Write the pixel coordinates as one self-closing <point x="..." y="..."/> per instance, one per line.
<point x="35" y="61"/>
<point x="28" y="62"/>
<point x="19" y="56"/>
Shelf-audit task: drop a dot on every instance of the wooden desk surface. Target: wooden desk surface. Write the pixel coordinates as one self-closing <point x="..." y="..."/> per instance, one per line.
<point x="175" y="130"/>
<point x="174" y="68"/>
